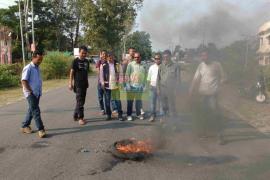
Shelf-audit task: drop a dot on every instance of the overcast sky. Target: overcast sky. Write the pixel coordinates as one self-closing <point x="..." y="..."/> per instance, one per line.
<point x="6" y="3"/>
<point x="189" y="22"/>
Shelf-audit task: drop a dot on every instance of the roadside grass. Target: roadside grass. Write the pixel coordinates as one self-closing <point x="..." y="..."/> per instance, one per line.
<point x="11" y="95"/>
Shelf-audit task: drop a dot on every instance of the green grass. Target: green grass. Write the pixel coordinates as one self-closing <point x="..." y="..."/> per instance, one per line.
<point x="10" y="95"/>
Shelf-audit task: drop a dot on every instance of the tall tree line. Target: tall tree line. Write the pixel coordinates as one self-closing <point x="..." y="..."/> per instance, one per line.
<point x="64" y="24"/>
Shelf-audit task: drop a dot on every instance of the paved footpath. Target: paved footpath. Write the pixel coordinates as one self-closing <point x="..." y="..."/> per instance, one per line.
<point x="79" y="152"/>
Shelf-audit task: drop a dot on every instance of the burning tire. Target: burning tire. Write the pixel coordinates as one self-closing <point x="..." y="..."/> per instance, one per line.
<point x="130" y="149"/>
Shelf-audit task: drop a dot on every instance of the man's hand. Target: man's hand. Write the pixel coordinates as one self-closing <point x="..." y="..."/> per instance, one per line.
<point x="70" y="87"/>
<point x="102" y="85"/>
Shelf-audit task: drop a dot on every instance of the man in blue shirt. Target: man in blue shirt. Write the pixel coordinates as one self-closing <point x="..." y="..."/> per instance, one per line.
<point x="32" y="89"/>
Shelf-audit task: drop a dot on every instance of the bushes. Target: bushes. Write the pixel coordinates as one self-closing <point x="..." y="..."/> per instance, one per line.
<point x="10" y="75"/>
<point x="56" y="65"/>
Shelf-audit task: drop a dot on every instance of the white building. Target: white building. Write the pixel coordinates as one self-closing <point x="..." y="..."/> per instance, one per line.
<point x="264" y="50"/>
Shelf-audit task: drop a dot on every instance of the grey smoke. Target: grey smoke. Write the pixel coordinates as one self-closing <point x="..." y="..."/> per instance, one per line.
<point x="222" y="23"/>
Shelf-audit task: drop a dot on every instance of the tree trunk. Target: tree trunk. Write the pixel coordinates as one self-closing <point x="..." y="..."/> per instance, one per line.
<point x="77" y="28"/>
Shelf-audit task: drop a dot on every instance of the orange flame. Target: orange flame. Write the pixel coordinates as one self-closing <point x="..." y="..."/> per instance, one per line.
<point x="135" y="147"/>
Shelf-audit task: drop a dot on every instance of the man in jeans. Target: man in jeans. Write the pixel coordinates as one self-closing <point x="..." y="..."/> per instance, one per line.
<point x="152" y="81"/>
<point x="167" y="82"/>
<point x="135" y="82"/>
<point x="109" y="79"/>
<point x="103" y="56"/>
<point x="32" y="89"/>
<point x="78" y="82"/>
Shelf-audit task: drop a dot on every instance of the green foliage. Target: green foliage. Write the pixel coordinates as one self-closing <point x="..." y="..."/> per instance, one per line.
<point x="239" y="69"/>
<point x="55" y="23"/>
<point x="140" y="40"/>
<point x="106" y="21"/>
<point x="10" y="75"/>
<point x="55" y="65"/>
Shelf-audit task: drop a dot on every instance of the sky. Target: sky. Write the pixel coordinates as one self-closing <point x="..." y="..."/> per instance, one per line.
<point x="6" y="3"/>
<point x="191" y="22"/>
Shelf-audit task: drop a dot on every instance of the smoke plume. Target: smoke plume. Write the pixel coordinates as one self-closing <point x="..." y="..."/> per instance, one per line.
<point x="193" y="22"/>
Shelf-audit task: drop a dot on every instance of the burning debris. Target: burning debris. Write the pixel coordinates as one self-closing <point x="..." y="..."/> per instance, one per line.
<point x="131" y="149"/>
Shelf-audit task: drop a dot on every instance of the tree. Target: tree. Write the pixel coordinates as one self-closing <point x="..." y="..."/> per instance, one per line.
<point x="55" y="24"/>
<point x="140" y="40"/>
<point x="106" y="21"/>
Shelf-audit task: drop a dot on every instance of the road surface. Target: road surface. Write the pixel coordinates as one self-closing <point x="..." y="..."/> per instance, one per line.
<point x="80" y="152"/>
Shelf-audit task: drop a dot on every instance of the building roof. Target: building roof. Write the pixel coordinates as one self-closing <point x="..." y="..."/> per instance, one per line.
<point x="265" y="27"/>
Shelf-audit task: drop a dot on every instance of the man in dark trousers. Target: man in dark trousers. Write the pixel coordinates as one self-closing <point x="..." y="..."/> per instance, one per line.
<point x="109" y="79"/>
<point x="78" y="82"/>
<point x="32" y="89"/>
<point x="101" y="97"/>
<point x="167" y="81"/>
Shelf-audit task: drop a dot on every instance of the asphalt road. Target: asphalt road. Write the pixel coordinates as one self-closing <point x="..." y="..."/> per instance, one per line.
<point x="80" y="152"/>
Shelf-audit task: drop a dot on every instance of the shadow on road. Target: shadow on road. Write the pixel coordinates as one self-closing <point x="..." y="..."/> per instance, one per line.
<point x="194" y="160"/>
<point x="80" y="129"/>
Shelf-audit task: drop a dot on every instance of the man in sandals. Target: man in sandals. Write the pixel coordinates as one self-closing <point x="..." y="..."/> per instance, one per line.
<point x="78" y="82"/>
<point x="32" y="89"/>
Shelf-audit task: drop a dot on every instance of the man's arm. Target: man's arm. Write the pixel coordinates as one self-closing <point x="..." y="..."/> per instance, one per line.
<point x="149" y="77"/>
<point x="158" y="80"/>
<point x="101" y="78"/>
<point x="26" y="85"/>
<point x="25" y="79"/>
<point x="127" y="76"/>
<point x="71" y="79"/>
<point x="195" y="82"/>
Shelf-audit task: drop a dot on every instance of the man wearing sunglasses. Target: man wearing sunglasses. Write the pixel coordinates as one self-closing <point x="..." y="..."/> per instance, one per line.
<point x="152" y="82"/>
<point x="135" y="82"/>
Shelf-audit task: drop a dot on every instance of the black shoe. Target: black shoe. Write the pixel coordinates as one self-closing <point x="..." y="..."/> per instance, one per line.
<point x="108" y="118"/>
<point x="75" y="118"/>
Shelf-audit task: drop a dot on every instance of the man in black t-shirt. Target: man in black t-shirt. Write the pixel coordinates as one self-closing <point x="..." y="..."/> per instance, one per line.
<point x="78" y="82"/>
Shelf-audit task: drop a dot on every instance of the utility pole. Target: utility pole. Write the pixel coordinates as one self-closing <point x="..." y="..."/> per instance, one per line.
<point x="33" y="31"/>
<point x="26" y="10"/>
<point x="246" y="55"/>
<point x="20" y="14"/>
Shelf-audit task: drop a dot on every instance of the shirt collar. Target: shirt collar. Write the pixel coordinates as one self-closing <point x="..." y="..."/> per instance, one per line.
<point x="33" y="65"/>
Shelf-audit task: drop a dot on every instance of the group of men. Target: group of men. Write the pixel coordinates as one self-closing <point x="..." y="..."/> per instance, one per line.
<point x="162" y="79"/>
<point x="132" y="77"/>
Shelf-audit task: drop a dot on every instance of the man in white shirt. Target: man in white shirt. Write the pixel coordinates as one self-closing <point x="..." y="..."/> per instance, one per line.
<point x="152" y="82"/>
<point x="109" y="79"/>
<point x="206" y="84"/>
